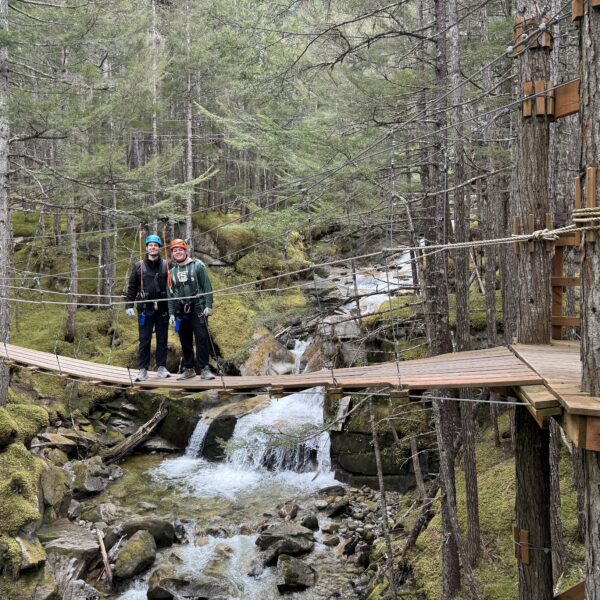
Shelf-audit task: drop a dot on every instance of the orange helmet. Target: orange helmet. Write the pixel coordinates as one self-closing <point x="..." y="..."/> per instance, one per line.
<point x="177" y="243"/>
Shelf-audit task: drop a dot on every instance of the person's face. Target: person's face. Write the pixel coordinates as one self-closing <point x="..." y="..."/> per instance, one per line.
<point x="153" y="249"/>
<point x="179" y="254"/>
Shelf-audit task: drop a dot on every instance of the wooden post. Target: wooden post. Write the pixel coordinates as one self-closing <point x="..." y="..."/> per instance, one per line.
<point x="557" y="290"/>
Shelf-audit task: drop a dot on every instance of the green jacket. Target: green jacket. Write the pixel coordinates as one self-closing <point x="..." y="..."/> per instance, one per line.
<point x="190" y="280"/>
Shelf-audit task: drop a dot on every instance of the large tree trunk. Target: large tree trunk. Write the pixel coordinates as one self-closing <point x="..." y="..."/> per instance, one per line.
<point x="531" y="204"/>
<point x="189" y="147"/>
<point x="590" y="288"/>
<point x="5" y="238"/>
<point x="533" y="505"/>
<point x="461" y="263"/>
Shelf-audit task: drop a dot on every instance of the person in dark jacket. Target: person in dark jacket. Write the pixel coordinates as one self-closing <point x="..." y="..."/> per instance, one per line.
<point x="190" y="306"/>
<point x="147" y="284"/>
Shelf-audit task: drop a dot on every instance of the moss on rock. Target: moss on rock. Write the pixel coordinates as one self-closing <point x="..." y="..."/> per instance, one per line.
<point x="29" y="419"/>
<point x="8" y="428"/>
<point x="19" y="475"/>
<point x="10" y="556"/>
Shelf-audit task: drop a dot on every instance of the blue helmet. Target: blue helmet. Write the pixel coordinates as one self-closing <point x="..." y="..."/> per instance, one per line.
<point x="154" y="238"/>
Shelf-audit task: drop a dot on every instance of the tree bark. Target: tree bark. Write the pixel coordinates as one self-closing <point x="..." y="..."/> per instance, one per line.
<point x="556" y="531"/>
<point x="5" y="237"/>
<point x="590" y="289"/>
<point x="533" y="505"/>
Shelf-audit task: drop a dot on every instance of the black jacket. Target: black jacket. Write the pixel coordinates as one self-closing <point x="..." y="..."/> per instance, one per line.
<point x="155" y="282"/>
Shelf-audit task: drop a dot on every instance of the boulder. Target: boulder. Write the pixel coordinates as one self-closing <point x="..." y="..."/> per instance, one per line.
<point x="284" y="539"/>
<point x="33" y="554"/>
<point x="8" y="428"/>
<point x="161" y="530"/>
<point x="310" y="521"/>
<point x="53" y="483"/>
<point x="188" y="587"/>
<point x="105" y="512"/>
<point x="76" y="543"/>
<point x="294" y="574"/>
<point x="137" y="554"/>
<point x="90" y="476"/>
<point x="337" y="507"/>
<point x="288" y="510"/>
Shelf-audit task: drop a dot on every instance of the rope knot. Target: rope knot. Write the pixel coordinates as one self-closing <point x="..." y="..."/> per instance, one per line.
<point x="544" y="235"/>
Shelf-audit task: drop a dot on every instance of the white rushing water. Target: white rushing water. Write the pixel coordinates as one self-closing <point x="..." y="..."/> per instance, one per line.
<point x="379" y="285"/>
<point x="253" y="468"/>
<point x="300" y="347"/>
<point x="255" y="461"/>
<point x="196" y="441"/>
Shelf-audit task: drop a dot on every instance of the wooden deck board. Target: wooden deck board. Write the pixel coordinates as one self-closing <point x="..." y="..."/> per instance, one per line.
<point x="495" y="367"/>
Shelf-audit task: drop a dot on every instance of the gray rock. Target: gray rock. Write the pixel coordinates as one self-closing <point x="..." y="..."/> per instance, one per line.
<point x="288" y="510"/>
<point x="188" y="587"/>
<point x="136" y="555"/>
<point x="337" y="507"/>
<point x="332" y="490"/>
<point x="285" y="531"/>
<point x="158" y="444"/>
<point x="90" y="476"/>
<point x="294" y="574"/>
<point x="310" y="521"/>
<point x="76" y="543"/>
<point x="33" y="554"/>
<point x="162" y="530"/>
<point x="106" y="512"/>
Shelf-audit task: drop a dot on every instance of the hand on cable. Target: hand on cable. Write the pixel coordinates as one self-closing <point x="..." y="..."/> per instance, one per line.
<point x="130" y="312"/>
<point x="207" y="312"/>
<point x="172" y="320"/>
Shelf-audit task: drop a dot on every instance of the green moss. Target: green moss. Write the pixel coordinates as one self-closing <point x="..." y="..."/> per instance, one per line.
<point x="208" y="221"/>
<point x="477" y="310"/>
<point x="19" y="475"/>
<point x="29" y="419"/>
<point x="497" y="572"/>
<point x="397" y="308"/>
<point x="10" y="556"/>
<point x="8" y="428"/>
<point x="232" y="326"/>
<point x="233" y="240"/>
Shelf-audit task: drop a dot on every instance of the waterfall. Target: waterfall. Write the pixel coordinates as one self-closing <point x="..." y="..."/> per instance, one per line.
<point x="257" y="459"/>
<point x="196" y="441"/>
<point x="298" y="352"/>
<point x="256" y="431"/>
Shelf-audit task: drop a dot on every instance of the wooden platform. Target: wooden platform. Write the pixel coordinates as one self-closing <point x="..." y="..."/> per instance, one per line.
<point x="560" y="366"/>
<point x="494" y="367"/>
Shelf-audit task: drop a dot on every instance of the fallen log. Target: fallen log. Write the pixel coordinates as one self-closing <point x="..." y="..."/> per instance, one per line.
<point x="136" y="438"/>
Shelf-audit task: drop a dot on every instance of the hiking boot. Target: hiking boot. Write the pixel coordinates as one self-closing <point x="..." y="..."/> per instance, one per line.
<point x="187" y="374"/>
<point x="162" y="372"/>
<point x="206" y="373"/>
<point x="142" y="375"/>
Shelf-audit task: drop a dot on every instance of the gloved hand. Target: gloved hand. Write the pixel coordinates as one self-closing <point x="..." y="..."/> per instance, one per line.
<point x="130" y="312"/>
<point x="172" y="320"/>
<point x="207" y="312"/>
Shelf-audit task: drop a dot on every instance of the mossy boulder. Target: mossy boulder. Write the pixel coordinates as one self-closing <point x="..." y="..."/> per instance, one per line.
<point x="8" y="428"/>
<point x="54" y="485"/>
<point x="19" y="475"/>
<point x="233" y="241"/>
<point x="33" y="554"/>
<point x="29" y="419"/>
<point x="10" y="557"/>
<point x="136" y="556"/>
<point x="267" y="356"/>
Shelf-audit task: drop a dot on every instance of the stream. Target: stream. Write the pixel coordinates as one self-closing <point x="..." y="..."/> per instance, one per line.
<point x="222" y="505"/>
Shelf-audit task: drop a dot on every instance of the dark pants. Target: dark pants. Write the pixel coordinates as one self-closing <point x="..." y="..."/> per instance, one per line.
<point x="153" y="321"/>
<point x="195" y="326"/>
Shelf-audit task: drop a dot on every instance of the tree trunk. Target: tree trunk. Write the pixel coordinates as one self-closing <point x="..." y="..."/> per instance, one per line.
<point x="533" y="505"/>
<point x="5" y="237"/>
<point x="189" y="147"/>
<point x="556" y="532"/>
<point x="72" y="306"/>
<point x="590" y="289"/>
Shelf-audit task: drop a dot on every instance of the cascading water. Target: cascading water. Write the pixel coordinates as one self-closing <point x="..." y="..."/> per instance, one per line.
<point x="255" y="476"/>
<point x="300" y="347"/>
<point x="196" y="441"/>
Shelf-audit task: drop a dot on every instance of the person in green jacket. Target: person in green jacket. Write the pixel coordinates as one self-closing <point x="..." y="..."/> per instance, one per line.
<point x="190" y="306"/>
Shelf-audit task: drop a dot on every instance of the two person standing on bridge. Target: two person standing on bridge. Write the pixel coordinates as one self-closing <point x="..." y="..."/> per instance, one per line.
<point x="187" y="287"/>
